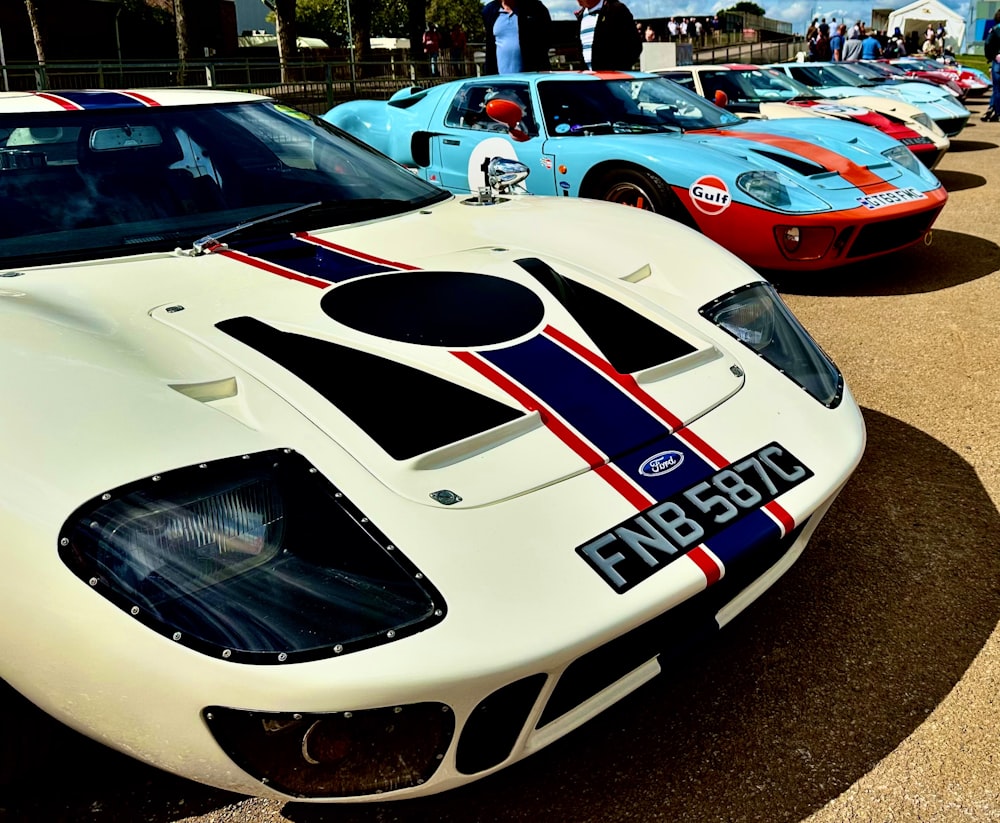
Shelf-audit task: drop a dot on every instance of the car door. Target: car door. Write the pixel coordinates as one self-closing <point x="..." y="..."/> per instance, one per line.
<point x="461" y="152"/>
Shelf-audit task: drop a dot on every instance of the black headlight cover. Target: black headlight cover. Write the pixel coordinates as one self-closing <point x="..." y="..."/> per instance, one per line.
<point x="756" y="316"/>
<point x="255" y="559"/>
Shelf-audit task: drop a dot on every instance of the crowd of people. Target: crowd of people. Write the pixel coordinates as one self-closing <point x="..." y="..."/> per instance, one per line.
<point x="518" y="36"/>
<point x="696" y="30"/>
<point x="834" y="41"/>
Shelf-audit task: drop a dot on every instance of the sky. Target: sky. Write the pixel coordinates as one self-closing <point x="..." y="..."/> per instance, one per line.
<point x="796" y="12"/>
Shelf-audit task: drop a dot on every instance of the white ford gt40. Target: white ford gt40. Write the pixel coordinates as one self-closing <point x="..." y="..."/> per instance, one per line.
<point x="321" y="483"/>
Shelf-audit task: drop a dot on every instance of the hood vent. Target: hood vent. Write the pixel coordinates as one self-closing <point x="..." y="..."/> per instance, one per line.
<point x="629" y="341"/>
<point x="804" y="167"/>
<point x="406" y="411"/>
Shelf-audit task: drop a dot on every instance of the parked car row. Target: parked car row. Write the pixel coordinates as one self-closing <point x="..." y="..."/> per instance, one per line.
<point x="796" y="193"/>
<point x="342" y="471"/>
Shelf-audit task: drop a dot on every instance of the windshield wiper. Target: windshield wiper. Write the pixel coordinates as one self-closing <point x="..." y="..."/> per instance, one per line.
<point x="357" y="210"/>
<point x="212" y="241"/>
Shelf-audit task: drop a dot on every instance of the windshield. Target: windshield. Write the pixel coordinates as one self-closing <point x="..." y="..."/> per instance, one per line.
<point x="79" y="185"/>
<point x="821" y="75"/>
<point x="868" y="72"/>
<point x="626" y="105"/>
<point x="754" y="86"/>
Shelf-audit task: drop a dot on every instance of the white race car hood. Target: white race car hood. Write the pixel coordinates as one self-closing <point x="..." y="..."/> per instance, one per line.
<point x="460" y="373"/>
<point x="486" y="369"/>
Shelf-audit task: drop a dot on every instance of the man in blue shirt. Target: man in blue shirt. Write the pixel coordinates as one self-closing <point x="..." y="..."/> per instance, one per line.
<point x="518" y="33"/>
<point x="871" y="49"/>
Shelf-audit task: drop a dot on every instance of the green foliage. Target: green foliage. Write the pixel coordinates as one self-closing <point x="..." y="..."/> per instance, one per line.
<point x="327" y="19"/>
<point x="747" y="7"/>
<point x="467" y="13"/>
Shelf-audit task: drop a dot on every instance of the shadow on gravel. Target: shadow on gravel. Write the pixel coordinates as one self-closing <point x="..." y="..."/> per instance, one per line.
<point x="792" y="703"/>
<point x="951" y="259"/>
<point x="804" y="693"/>
<point x="960" y="180"/>
<point x="970" y="145"/>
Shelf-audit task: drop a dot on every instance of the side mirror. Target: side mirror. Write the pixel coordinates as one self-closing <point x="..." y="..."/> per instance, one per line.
<point x="510" y="114"/>
<point x="721" y="99"/>
<point x="503" y="173"/>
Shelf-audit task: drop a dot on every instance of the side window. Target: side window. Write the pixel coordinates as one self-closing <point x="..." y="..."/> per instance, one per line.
<point x="468" y="108"/>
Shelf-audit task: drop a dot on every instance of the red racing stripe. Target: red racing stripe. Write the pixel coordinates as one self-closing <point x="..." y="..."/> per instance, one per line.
<point x="360" y="255"/>
<point x="848" y="169"/>
<point x="625" y="381"/>
<point x="69" y="105"/>
<point x="142" y="98"/>
<point x="263" y="265"/>
<point x="709" y="564"/>
<point x="631" y="387"/>
<point x="594" y="459"/>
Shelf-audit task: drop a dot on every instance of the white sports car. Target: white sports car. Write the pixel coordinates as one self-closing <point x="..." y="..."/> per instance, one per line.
<point x="321" y="483"/>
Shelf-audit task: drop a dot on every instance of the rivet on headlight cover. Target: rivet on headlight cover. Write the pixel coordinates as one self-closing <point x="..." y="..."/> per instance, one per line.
<point x="252" y="559"/>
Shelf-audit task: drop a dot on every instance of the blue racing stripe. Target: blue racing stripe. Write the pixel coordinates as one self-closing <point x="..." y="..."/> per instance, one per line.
<point x="310" y="259"/>
<point x="101" y="99"/>
<point x="600" y="412"/>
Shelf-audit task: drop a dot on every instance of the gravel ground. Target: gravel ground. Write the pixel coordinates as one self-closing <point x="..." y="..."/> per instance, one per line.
<point x="862" y="687"/>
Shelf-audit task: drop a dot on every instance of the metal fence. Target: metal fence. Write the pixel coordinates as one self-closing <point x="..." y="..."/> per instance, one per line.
<point x="313" y="86"/>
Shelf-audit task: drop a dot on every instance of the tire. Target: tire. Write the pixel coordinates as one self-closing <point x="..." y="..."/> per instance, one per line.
<point x="642" y="190"/>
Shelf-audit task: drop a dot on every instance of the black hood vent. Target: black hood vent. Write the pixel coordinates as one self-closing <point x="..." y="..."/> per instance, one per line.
<point x="405" y="410"/>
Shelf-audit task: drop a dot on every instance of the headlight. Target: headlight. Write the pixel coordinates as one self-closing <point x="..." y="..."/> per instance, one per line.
<point x="779" y="192"/>
<point x="256" y="559"/>
<point x="757" y="317"/>
<point x="904" y="157"/>
<point x="907" y="159"/>
<point x="925" y="120"/>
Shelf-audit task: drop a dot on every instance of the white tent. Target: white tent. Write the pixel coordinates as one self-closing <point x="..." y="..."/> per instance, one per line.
<point x="918" y="15"/>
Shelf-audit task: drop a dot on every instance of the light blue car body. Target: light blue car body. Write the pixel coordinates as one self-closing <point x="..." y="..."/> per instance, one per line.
<point x="939" y="104"/>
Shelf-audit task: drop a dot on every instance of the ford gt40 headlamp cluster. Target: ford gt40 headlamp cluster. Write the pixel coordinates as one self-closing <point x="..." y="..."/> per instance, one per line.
<point x="757" y="317"/>
<point x="256" y="559"/>
<point x="780" y="192"/>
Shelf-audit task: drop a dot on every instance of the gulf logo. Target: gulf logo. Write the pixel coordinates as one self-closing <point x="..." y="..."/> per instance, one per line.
<point x="710" y="195"/>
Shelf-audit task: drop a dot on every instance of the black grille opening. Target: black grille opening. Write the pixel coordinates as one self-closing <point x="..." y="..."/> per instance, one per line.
<point x="494" y="725"/>
<point x="876" y="238"/>
<point x="668" y="636"/>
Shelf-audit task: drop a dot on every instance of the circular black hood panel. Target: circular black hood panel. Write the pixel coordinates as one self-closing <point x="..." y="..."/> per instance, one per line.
<point x="436" y="308"/>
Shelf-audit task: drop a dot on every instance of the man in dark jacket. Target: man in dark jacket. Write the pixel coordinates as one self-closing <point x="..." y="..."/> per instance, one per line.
<point x="991" y="50"/>
<point x="518" y="33"/>
<point x="608" y="37"/>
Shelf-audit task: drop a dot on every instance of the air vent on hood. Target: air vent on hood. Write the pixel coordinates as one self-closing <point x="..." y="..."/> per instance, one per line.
<point x="406" y="411"/>
<point x="629" y="341"/>
<point x="796" y="164"/>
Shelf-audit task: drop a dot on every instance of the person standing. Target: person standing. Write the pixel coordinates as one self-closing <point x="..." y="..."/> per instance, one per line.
<point x="852" y="47"/>
<point x="608" y="38"/>
<point x="837" y="43"/>
<point x="432" y="46"/>
<point x="457" y="41"/>
<point x="871" y="49"/>
<point x="991" y="51"/>
<point x="518" y="33"/>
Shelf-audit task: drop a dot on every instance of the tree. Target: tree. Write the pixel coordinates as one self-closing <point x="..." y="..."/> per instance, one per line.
<point x="183" y="42"/>
<point x="36" y="30"/>
<point x="285" y="16"/>
<point x="747" y="7"/>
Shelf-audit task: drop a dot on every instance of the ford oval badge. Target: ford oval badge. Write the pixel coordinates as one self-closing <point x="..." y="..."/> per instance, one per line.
<point x="661" y="463"/>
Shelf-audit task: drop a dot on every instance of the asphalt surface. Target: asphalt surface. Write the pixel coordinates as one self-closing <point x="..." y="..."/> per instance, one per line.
<point x="865" y="686"/>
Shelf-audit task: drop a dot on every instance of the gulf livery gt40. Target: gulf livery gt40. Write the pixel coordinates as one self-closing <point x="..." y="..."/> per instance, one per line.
<point x="755" y="93"/>
<point x="792" y="194"/>
<point x="324" y="484"/>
